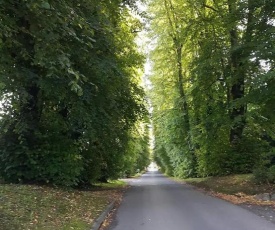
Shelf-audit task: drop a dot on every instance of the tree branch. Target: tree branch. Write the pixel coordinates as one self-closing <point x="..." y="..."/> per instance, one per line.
<point x="210" y="7"/>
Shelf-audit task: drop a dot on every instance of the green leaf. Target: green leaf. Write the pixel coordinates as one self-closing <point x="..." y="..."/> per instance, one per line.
<point x="2" y="85"/>
<point x="46" y="5"/>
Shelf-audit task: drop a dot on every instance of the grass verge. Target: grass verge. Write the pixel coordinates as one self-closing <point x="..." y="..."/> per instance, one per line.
<point x="234" y="188"/>
<point x="232" y="184"/>
<point x="46" y="208"/>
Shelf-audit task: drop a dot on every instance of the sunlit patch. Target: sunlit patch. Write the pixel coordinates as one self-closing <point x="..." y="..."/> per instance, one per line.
<point x="152" y="167"/>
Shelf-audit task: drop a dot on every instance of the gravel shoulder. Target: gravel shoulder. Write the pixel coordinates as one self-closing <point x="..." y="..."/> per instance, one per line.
<point x="267" y="211"/>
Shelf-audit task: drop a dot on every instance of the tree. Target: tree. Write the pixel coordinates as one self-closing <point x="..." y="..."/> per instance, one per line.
<point x="70" y="89"/>
<point x="223" y="47"/>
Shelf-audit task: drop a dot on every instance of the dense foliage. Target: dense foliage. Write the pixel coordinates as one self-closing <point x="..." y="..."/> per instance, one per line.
<point x="213" y="85"/>
<point x="69" y="86"/>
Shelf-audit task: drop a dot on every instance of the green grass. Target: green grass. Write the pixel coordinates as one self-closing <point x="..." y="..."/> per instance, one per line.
<point x="47" y="208"/>
<point x="112" y="184"/>
<point x="232" y="184"/>
<point x="137" y="174"/>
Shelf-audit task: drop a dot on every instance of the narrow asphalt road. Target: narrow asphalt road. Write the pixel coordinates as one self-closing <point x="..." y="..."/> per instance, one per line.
<point x="156" y="203"/>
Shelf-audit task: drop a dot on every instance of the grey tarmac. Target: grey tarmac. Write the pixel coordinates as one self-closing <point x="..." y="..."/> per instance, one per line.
<point x="155" y="202"/>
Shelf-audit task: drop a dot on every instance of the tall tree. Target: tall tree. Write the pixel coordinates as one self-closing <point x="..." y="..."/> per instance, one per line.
<point x="222" y="45"/>
<point x="69" y="81"/>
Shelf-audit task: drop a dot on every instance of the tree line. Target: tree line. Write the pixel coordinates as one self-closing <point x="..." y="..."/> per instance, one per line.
<point x="73" y="111"/>
<point x="213" y="86"/>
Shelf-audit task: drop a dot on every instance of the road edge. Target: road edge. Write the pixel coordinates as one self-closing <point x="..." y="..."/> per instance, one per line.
<point x="96" y="225"/>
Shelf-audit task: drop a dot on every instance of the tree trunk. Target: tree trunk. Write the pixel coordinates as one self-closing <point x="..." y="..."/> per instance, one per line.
<point x="237" y="113"/>
<point x="180" y="85"/>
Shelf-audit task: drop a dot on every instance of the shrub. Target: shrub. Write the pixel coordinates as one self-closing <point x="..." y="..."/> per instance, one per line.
<point x="271" y="174"/>
<point x="260" y="175"/>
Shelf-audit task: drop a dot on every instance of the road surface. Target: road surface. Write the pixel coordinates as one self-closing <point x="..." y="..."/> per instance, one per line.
<point x="155" y="202"/>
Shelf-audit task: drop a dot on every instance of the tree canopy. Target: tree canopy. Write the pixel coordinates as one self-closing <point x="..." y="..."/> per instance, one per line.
<point x="70" y="90"/>
<point x="73" y="109"/>
<point x="212" y="85"/>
